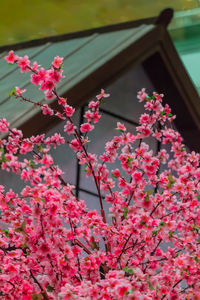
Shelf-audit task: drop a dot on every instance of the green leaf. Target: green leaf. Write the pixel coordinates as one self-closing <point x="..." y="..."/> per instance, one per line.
<point x="113" y="176"/>
<point x="171" y="232"/>
<point x="36" y="296"/>
<point x="10" y="204"/>
<point x="6" y="232"/>
<point x="149" y="192"/>
<point x="49" y="288"/>
<point x="149" y="283"/>
<point x="154" y="232"/>
<point x="21" y="228"/>
<point x="18" y="229"/>
<point x="125" y="212"/>
<point x="23" y="225"/>
<point x="31" y="164"/>
<point x="65" y="256"/>
<point x="129" y="160"/>
<point x="40" y="148"/>
<point x="195" y="227"/>
<point x="12" y="92"/>
<point x="171" y="180"/>
<point x="142" y="223"/>
<point x="186" y="270"/>
<point x="121" y="130"/>
<point x="196" y="259"/>
<point x="162" y="113"/>
<point x="150" y="286"/>
<point x="162" y="223"/>
<point x="23" y="246"/>
<point x="102" y="100"/>
<point x="128" y="270"/>
<point x="148" y="98"/>
<point x="170" y="115"/>
<point x="3" y="158"/>
<point x="129" y="292"/>
<point x="94" y="245"/>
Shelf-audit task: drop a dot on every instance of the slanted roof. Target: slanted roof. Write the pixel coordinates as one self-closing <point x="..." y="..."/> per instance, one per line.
<point x="91" y="59"/>
<point x="82" y="56"/>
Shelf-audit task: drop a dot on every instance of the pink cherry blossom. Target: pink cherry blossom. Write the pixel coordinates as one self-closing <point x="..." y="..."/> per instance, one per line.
<point x="86" y="127"/>
<point x="69" y="128"/>
<point x="121" y="127"/>
<point x="57" y="62"/>
<point x="47" y="110"/>
<point x="11" y="58"/>
<point x="140" y="241"/>
<point x="142" y="95"/>
<point x="19" y="91"/>
<point x="4" y="125"/>
<point x="102" y="95"/>
<point x="23" y="63"/>
<point x="69" y="110"/>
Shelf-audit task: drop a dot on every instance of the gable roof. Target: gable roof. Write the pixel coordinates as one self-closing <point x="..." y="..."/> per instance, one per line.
<point x="91" y="59"/>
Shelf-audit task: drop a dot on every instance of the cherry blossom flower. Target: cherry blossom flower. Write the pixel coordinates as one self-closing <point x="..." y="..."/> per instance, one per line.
<point x="102" y="95"/>
<point x="23" y="63"/>
<point x="47" y="110"/>
<point x="57" y="62"/>
<point x="86" y="127"/>
<point x="11" y="58"/>
<point x="19" y="91"/>
<point x="142" y="239"/>
<point x="4" y="125"/>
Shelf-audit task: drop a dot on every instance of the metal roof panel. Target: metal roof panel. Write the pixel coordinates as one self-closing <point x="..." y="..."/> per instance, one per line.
<point x="81" y="57"/>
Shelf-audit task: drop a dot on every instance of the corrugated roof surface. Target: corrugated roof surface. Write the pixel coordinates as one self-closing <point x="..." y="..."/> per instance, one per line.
<point x="81" y="57"/>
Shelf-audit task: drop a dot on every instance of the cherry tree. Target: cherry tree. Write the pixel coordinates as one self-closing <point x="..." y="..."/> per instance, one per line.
<point x="53" y="247"/>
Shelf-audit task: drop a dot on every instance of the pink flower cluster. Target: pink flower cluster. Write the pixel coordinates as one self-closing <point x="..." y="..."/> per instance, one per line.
<point x="53" y="247"/>
<point x="46" y="79"/>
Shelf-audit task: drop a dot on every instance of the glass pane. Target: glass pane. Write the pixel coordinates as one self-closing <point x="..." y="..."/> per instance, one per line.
<point x="11" y="180"/>
<point x="123" y="93"/>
